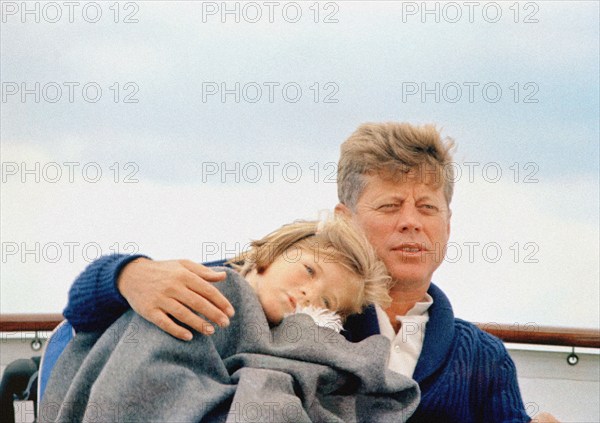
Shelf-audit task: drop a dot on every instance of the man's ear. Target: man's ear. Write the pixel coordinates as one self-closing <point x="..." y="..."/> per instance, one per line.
<point x="342" y="210"/>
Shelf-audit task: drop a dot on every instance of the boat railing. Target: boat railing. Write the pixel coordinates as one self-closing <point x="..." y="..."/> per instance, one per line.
<point x="529" y="333"/>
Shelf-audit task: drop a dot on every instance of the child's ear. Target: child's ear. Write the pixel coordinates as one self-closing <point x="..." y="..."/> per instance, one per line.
<point x="261" y="269"/>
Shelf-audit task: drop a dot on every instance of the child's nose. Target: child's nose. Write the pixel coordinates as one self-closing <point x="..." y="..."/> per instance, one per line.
<point x="306" y="297"/>
<point x="304" y="300"/>
<point x="310" y="299"/>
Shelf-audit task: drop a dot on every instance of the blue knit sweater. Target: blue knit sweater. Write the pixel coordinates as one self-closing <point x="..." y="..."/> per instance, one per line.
<point x="465" y="374"/>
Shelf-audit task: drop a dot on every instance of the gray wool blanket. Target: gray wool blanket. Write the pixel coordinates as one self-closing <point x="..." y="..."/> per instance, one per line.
<point x="247" y="372"/>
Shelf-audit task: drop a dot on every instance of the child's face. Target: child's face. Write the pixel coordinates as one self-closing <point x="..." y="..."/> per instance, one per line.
<point x="302" y="277"/>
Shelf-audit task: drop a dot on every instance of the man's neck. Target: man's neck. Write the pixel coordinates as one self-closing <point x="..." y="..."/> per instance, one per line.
<point x="404" y="299"/>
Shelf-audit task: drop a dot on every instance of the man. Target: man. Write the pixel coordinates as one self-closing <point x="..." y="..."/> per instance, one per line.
<point x="395" y="181"/>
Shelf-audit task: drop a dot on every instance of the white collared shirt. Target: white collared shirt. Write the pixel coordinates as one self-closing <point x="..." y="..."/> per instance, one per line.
<point x="407" y="344"/>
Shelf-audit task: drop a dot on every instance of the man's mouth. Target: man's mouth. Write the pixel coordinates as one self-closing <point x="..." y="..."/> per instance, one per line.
<point x="409" y="247"/>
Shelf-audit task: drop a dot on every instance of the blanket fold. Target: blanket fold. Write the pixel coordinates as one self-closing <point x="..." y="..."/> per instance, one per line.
<point x="249" y="371"/>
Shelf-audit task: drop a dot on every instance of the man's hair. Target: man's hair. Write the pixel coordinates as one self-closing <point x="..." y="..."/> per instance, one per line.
<point x="396" y="150"/>
<point x="333" y="240"/>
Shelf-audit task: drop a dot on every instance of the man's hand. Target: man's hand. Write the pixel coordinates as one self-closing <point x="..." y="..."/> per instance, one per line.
<point x="157" y="290"/>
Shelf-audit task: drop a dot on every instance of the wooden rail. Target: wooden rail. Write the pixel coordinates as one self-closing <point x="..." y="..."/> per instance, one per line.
<point x="532" y="333"/>
<point x="529" y="333"/>
<point x="29" y="322"/>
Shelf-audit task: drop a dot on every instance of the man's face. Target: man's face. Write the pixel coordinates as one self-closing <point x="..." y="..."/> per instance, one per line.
<point x="408" y="224"/>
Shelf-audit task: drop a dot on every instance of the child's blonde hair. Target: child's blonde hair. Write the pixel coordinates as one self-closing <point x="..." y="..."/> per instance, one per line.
<point x="332" y="240"/>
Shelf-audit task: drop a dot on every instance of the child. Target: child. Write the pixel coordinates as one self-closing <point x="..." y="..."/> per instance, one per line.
<point x="326" y="264"/>
<point x="264" y="366"/>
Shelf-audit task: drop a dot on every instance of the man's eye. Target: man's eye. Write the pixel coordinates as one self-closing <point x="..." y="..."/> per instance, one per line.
<point x="429" y="207"/>
<point x="387" y="207"/>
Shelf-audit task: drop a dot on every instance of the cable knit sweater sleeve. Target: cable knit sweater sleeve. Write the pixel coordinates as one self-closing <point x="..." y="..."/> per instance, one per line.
<point x="94" y="301"/>
<point x="494" y="389"/>
<point x="504" y="402"/>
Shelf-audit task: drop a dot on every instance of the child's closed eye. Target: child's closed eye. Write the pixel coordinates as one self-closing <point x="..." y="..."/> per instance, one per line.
<point x="310" y="270"/>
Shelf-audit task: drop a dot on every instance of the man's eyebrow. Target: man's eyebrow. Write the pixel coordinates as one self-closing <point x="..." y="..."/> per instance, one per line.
<point x="390" y="197"/>
<point x="426" y="197"/>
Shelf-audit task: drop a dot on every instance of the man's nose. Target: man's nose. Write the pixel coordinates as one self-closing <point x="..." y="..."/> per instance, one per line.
<point x="409" y="219"/>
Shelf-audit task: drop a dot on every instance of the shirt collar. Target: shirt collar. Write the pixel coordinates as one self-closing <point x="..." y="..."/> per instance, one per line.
<point x="419" y="309"/>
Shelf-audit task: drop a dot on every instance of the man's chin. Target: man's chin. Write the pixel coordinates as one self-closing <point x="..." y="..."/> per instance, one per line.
<point x="406" y="278"/>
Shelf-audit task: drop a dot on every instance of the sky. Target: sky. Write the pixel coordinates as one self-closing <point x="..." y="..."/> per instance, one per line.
<point x="183" y="130"/>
